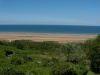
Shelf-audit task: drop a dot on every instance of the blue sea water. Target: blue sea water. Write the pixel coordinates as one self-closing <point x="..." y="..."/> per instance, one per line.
<point x="64" y="29"/>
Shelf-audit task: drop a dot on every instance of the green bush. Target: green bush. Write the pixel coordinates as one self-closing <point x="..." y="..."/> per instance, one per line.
<point x="93" y="53"/>
<point x="95" y="59"/>
<point x="36" y="72"/>
<point x="73" y="52"/>
<point x="33" y="73"/>
<point x="7" y="71"/>
<point x="54" y="60"/>
<point x="10" y="71"/>
<point x="68" y="69"/>
<point x="46" y="62"/>
<point x="27" y="59"/>
<point x="20" y="73"/>
<point x="8" y="52"/>
<point x="27" y="44"/>
<point x="62" y="69"/>
<point x="17" y="61"/>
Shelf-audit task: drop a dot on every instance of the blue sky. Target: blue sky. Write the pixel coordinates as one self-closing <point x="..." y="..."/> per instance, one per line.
<point x="54" y="12"/>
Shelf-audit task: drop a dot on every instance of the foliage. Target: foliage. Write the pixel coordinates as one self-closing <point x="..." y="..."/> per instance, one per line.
<point x="17" y="61"/>
<point x="73" y="52"/>
<point x="27" y="44"/>
<point x="95" y="59"/>
<point x="10" y="71"/>
<point x="25" y="57"/>
<point x="48" y="62"/>
<point x="68" y="69"/>
<point x="8" y="52"/>
<point x="93" y="53"/>
<point x="55" y="60"/>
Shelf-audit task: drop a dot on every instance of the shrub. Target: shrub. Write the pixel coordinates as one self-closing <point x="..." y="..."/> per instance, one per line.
<point x="27" y="59"/>
<point x="62" y="69"/>
<point x="95" y="59"/>
<point x="93" y="51"/>
<point x="73" y="52"/>
<point x="8" y="71"/>
<point x="8" y="52"/>
<point x="11" y="71"/>
<point x="46" y="62"/>
<point x="68" y="69"/>
<point x="16" y="61"/>
<point x="80" y="69"/>
<point x="36" y="72"/>
<point x="33" y="73"/>
<point x="54" y="60"/>
<point x="20" y="73"/>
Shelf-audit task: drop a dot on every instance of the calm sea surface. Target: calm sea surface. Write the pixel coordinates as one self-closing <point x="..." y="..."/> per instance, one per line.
<point x="65" y="29"/>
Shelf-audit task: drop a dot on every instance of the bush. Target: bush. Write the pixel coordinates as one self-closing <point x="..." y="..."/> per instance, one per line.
<point x="33" y="73"/>
<point x="36" y="72"/>
<point x="46" y="62"/>
<point x="93" y="52"/>
<point x="80" y="69"/>
<point x="62" y="69"/>
<point x="20" y="73"/>
<point x="17" y="61"/>
<point x="8" y="52"/>
<point x="68" y="69"/>
<point x="27" y="44"/>
<point x="73" y="52"/>
<point x="54" y="60"/>
<point x="10" y="71"/>
<point x="27" y="59"/>
<point x="95" y="59"/>
<point x="7" y="71"/>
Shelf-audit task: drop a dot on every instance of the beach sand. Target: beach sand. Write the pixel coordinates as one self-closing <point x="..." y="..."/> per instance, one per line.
<point x="46" y="37"/>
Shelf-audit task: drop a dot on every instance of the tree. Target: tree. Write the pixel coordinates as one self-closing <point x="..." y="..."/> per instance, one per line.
<point x="95" y="59"/>
<point x="93" y="53"/>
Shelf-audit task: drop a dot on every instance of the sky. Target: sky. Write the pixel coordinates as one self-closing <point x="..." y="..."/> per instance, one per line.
<point x="50" y="12"/>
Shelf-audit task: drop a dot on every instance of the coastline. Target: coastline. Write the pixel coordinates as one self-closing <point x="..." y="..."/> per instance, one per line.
<point x="62" y="38"/>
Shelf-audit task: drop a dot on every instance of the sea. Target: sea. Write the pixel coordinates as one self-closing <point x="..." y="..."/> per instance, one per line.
<point x="60" y="29"/>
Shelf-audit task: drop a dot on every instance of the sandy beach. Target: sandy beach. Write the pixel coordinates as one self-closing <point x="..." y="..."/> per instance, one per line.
<point x="46" y="37"/>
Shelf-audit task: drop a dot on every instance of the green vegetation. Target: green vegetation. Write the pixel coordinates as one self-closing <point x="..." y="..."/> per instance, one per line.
<point x="25" y="57"/>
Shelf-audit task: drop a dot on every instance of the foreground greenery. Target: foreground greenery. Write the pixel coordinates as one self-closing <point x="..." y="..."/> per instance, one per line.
<point x="25" y="57"/>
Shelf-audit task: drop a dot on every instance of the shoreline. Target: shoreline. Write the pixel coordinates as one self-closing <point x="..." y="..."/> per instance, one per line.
<point x="62" y="38"/>
<point x="53" y="33"/>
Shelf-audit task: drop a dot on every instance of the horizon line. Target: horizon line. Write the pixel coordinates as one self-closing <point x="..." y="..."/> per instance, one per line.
<point x="53" y="24"/>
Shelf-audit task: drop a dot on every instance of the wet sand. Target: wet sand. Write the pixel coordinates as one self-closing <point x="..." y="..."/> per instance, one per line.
<point x="46" y="37"/>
